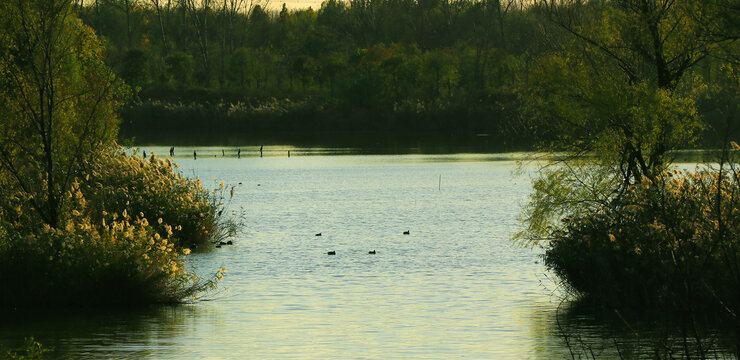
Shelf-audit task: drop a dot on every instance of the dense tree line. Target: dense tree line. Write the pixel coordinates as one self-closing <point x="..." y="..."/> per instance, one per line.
<point x="371" y="65"/>
<point x="380" y="65"/>
<point x="438" y="48"/>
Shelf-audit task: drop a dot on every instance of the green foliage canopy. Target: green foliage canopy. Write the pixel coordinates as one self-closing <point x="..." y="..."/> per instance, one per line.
<point x="58" y="100"/>
<point x="613" y="98"/>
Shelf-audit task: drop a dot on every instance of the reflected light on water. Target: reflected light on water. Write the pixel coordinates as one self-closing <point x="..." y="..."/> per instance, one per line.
<point x="455" y="287"/>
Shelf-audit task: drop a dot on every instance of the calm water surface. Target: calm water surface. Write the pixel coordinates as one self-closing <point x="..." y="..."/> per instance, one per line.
<point x="456" y="287"/>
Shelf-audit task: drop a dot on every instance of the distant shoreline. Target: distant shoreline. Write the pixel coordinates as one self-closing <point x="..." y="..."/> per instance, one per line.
<point x="310" y="123"/>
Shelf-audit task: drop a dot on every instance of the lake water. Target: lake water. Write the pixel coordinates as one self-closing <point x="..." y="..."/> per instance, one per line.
<point x="455" y="287"/>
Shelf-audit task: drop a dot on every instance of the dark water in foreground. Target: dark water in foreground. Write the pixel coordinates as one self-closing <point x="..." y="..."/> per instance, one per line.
<point x="455" y="287"/>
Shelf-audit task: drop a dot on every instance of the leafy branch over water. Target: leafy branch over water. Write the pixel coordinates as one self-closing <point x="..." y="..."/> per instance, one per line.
<point x="81" y="222"/>
<point x="623" y="228"/>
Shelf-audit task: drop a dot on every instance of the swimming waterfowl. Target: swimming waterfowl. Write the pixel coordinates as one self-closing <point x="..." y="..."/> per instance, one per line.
<point x="331" y="253"/>
<point x="319" y="234"/>
<point x="407" y="232"/>
<point x="371" y="252"/>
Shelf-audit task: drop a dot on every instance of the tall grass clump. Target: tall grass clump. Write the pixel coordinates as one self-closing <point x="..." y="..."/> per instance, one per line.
<point x="80" y="222"/>
<point x="152" y="188"/>
<point x="107" y="249"/>
<point x="671" y="242"/>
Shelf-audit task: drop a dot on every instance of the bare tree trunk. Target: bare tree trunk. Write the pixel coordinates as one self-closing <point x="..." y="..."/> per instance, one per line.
<point x="127" y="5"/>
<point x="200" y="23"/>
<point x="158" y="9"/>
<point x="100" y="18"/>
<point x="501" y="10"/>
<point x="224" y="21"/>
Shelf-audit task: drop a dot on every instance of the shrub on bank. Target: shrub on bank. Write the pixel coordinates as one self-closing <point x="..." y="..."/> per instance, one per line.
<point x="31" y="350"/>
<point x="671" y="242"/>
<point x="152" y="189"/>
<point x="106" y="250"/>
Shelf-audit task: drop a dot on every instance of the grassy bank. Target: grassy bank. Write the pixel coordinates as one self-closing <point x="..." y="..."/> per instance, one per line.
<point x="126" y="228"/>
<point x="670" y="243"/>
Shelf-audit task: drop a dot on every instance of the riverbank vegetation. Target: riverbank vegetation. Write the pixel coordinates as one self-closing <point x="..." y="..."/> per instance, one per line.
<point x="81" y="222"/>
<point x="31" y="350"/>
<point x="672" y="243"/>
<point x="622" y="226"/>
<point x="236" y="68"/>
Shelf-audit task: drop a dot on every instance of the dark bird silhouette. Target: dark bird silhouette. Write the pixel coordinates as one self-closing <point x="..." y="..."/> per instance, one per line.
<point x="331" y="253"/>
<point x="407" y="232"/>
<point x="371" y="252"/>
<point x="239" y="153"/>
<point x="319" y="234"/>
<point x="195" y="155"/>
<point x="172" y="151"/>
<point x="229" y="242"/>
<point x="144" y="154"/>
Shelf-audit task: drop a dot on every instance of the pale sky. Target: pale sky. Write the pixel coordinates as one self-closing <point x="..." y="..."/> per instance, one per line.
<point x="295" y="4"/>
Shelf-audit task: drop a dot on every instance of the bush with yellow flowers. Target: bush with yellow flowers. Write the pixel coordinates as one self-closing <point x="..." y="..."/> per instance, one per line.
<point x="106" y="250"/>
<point x="670" y="242"/>
<point x="152" y="189"/>
<point x="31" y="350"/>
<point x="81" y="222"/>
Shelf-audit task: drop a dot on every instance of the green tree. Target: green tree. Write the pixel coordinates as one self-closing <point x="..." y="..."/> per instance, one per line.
<point x="402" y="70"/>
<point x="329" y="67"/>
<point x="180" y="67"/>
<point x="439" y="70"/>
<point x="366" y="86"/>
<point x="58" y="100"/>
<point x="615" y="95"/>
<point x="259" y="33"/>
<point x="135" y="68"/>
<point x="243" y="65"/>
